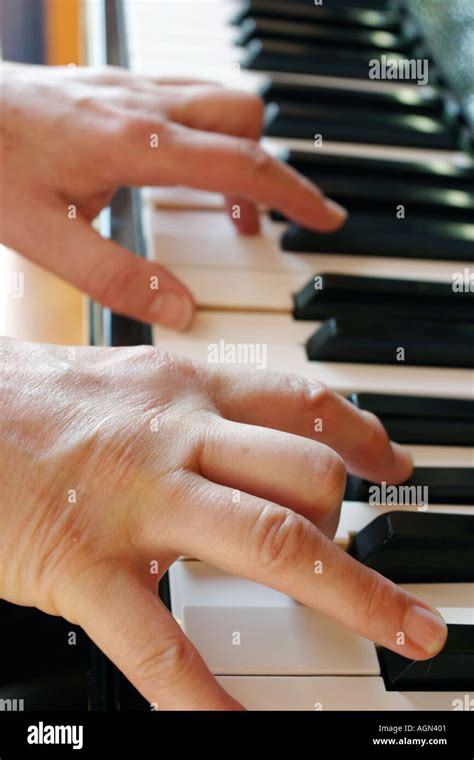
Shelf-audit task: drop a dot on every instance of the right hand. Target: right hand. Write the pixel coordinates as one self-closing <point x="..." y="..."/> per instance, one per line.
<point x="152" y="445"/>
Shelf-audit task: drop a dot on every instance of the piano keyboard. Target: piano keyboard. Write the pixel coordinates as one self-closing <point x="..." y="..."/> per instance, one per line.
<point x="268" y="651"/>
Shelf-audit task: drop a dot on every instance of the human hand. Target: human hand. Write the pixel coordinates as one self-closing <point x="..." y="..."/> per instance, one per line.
<point x="151" y="446"/>
<point x="73" y="136"/>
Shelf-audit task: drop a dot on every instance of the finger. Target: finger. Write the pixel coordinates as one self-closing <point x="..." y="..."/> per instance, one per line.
<point x="214" y="109"/>
<point x="132" y="627"/>
<point x="270" y="544"/>
<point x="308" y="408"/>
<point x="287" y="469"/>
<point x="243" y="214"/>
<point x="107" y="272"/>
<point x="220" y="163"/>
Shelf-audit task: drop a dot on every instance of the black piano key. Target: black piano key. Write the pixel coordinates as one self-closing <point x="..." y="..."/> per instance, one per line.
<point x="385" y="341"/>
<point x="383" y="6"/>
<point x="340" y="14"/>
<point x="429" y="432"/>
<point x="420" y="419"/>
<point x="380" y="233"/>
<point x="308" y="98"/>
<point x="385" y="404"/>
<point x="337" y="295"/>
<point x="440" y="174"/>
<point x="418" y="547"/>
<point x="441" y="485"/>
<point x="349" y="123"/>
<point x="404" y="100"/>
<point x="424" y="188"/>
<point x="326" y="60"/>
<point x="385" y="194"/>
<point x="451" y="670"/>
<point x="328" y="34"/>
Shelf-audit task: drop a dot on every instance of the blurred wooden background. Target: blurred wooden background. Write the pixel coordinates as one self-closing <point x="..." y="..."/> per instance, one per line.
<point x="48" y="310"/>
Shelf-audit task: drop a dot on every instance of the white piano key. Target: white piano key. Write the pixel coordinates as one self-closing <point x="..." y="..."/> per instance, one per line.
<point x="191" y="242"/>
<point x="290" y="640"/>
<point x="458" y="615"/>
<point x="333" y="693"/>
<point x="199" y="584"/>
<point x="449" y="597"/>
<point x="284" y="338"/>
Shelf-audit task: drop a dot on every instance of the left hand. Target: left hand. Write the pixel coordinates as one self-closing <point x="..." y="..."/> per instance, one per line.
<point x="71" y="137"/>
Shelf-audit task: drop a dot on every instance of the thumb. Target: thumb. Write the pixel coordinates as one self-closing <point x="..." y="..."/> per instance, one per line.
<point x="110" y="274"/>
<point x="133" y="628"/>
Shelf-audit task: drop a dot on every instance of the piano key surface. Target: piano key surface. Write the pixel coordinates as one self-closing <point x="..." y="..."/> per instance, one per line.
<point x="332" y="693"/>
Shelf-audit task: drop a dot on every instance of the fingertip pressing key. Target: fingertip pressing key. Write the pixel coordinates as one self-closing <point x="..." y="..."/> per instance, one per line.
<point x="426" y="628"/>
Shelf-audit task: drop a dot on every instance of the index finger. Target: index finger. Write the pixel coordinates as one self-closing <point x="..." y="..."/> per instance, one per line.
<point x="225" y="164"/>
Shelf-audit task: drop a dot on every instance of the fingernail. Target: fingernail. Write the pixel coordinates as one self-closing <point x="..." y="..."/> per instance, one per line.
<point x="426" y="628"/>
<point x="337" y="213"/>
<point x="172" y="310"/>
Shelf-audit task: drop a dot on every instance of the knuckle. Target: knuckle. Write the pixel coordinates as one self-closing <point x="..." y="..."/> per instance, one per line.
<point x="137" y="128"/>
<point x="314" y="395"/>
<point x="333" y="483"/>
<point x="278" y="537"/>
<point x="111" y="287"/>
<point x="311" y="395"/>
<point x="335" y="476"/>
<point x="167" y="663"/>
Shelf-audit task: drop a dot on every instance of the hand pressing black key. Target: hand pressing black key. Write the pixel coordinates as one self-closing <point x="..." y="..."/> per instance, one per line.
<point x="451" y="670"/>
